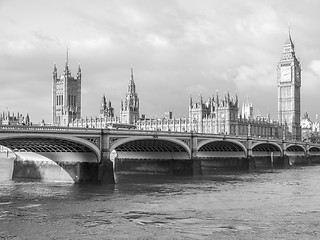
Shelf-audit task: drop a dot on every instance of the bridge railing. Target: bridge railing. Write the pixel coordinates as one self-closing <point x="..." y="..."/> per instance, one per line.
<point x="16" y="128"/>
<point x="25" y="128"/>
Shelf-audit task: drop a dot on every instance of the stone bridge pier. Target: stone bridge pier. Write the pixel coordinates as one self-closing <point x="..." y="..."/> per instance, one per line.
<point x="105" y="167"/>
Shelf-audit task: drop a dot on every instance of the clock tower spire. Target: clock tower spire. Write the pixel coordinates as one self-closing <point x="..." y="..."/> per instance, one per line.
<point x="289" y="83"/>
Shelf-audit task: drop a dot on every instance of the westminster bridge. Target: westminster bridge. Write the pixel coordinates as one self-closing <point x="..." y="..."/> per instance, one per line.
<point x="92" y="155"/>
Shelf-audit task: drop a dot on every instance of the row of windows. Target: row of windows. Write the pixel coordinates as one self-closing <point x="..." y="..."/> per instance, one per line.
<point x="59" y="100"/>
<point x="71" y="100"/>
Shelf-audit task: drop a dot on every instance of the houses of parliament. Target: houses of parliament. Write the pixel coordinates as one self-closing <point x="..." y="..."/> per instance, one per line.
<point x="215" y="114"/>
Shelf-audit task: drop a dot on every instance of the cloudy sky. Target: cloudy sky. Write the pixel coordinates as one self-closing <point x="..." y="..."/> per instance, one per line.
<point x="176" y="48"/>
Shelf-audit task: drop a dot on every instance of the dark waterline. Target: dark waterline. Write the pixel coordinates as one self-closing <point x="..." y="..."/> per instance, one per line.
<point x="280" y="205"/>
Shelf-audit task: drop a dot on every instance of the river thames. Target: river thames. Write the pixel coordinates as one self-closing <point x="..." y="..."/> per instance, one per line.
<point x="283" y="204"/>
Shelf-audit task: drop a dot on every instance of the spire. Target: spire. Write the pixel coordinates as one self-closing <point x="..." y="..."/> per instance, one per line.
<point x="131" y="79"/>
<point x="103" y="101"/>
<point x="131" y="86"/>
<point x="67" y="59"/>
<point x="79" y="71"/>
<point x="237" y="99"/>
<point x="190" y="100"/>
<point x="217" y="98"/>
<point x="288" y="45"/>
<point x="66" y="68"/>
<point x="54" y="73"/>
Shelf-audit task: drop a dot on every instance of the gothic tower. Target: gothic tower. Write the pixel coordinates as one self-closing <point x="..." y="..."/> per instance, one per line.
<point x="129" y="109"/>
<point x="66" y="96"/>
<point x="198" y="110"/>
<point x="227" y="114"/>
<point x="289" y="83"/>
<point x="106" y="109"/>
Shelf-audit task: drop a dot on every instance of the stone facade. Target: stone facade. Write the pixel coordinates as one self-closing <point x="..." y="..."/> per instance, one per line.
<point x="66" y="96"/>
<point x="217" y="116"/>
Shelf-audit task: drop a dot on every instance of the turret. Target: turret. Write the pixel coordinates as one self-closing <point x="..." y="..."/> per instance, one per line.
<point x="79" y="72"/>
<point x="190" y="101"/>
<point x="103" y="105"/>
<point x="55" y="72"/>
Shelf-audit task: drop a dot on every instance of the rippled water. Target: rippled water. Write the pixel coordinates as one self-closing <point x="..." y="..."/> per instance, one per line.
<point x="284" y="204"/>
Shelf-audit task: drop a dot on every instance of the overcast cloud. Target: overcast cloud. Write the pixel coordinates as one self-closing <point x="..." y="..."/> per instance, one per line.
<point x="176" y="48"/>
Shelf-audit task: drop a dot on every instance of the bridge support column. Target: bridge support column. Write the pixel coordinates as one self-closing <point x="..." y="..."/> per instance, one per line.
<point x="105" y="169"/>
<point x="41" y="168"/>
<point x="250" y="159"/>
<point x="284" y="162"/>
<point x="196" y="162"/>
<point x="251" y="163"/>
<point x="196" y="166"/>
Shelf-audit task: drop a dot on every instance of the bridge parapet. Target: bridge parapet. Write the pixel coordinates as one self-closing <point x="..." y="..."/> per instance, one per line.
<point x="22" y="128"/>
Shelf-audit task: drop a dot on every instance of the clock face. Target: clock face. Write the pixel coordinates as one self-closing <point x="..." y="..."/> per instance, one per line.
<point x="285" y="74"/>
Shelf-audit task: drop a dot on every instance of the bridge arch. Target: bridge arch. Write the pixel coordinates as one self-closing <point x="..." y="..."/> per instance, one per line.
<point x="219" y="148"/>
<point x="151" y="155"/>
<point x="295" y="150"/>
<point x="54" y="143"/>
<point x="145" y="144"/>
<point x="265" y="149"/>
<point x="313" y="150"/>
<point x="52" y="157"/>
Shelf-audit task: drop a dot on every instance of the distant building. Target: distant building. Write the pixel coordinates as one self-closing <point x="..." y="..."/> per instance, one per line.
<point x="310" y="130"/>
<point x="106" y="110"/>
<point x="316" y="125"/>
<point x="129" y="112"/>
<point x="106" y="118"/>
<point x="66" y="96"/>
<point x="247" y="110"/>
<point x="7" y="118"/>
<point x="306" y="127"/>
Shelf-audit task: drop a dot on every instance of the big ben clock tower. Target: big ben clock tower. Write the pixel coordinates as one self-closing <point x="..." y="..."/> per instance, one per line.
<point x="289" y="83"/>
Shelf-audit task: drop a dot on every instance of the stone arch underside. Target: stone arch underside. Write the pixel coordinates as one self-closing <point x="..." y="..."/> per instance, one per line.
<point x="265" y="149"/>
<point x="295" y="150"/>
<point x="151" y="149"/>
<point x="53" y="148"/>
<point x="225" y="149"/>
<point x="49" y="158"/>
<point x="314" y="151"/>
